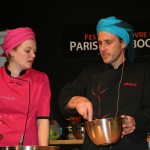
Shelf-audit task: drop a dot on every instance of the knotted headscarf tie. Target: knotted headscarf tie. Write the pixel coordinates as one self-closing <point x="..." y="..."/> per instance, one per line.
<point x="15" y="37"/>
<point x="121" y="29"/>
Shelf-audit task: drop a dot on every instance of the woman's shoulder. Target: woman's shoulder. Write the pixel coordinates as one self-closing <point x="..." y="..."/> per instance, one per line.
<point x="2" y="68"/>
<point x="37" y="73"/>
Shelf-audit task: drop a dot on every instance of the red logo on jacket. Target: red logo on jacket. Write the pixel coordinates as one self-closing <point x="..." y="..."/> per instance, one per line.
<point x="130" y="84"/>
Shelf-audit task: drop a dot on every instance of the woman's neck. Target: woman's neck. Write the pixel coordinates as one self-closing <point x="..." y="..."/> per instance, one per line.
<point x="14" y="71"/>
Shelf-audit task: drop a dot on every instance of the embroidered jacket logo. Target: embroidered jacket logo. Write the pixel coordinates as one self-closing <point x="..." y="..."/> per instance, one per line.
<point x="130" y="84"/>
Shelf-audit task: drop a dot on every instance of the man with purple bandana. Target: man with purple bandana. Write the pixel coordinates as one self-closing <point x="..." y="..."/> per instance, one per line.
<point x="118" y="87"/>
<point x="24" y="93"/>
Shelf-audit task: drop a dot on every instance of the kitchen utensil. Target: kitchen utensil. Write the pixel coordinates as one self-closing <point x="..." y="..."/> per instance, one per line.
<point x="30" y="148"/>
<point x="104" y="131"/>
<point x="78" y="131"/>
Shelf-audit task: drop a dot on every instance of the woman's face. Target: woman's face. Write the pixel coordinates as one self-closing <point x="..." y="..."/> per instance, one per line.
<point x="24" y="55"/>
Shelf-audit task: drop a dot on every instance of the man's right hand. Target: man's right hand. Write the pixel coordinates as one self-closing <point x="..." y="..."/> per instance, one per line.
<point x="83" y="106"/>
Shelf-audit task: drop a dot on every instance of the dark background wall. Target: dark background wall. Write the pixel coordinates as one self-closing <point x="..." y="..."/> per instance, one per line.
<point x="47" y="19"/>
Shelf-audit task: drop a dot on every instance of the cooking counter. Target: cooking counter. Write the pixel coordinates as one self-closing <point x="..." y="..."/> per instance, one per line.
<point x="71" y="144"/>
<point x="61" y="142"/>
<point x="73" y="141"/>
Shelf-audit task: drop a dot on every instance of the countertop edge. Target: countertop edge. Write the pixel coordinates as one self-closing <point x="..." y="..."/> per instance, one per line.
<point x="71" y="141"/>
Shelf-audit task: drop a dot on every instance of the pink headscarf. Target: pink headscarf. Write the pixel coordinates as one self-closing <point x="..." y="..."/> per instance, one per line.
<point x="15" y="37"/>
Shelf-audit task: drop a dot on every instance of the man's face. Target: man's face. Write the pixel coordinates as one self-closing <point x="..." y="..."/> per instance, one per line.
<point x="111" y="48"/>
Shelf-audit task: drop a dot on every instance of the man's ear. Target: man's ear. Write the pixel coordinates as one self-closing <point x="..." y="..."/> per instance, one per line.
<point x="123" y="45"/>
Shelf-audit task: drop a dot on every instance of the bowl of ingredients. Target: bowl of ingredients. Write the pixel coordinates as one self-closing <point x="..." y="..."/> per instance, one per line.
<point x="104" y="131"/>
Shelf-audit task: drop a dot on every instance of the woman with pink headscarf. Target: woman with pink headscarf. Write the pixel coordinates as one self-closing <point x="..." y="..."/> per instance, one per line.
<point x="24" y="93"/>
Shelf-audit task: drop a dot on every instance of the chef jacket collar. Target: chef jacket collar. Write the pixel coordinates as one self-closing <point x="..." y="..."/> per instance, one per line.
<point x="9" y="72"/>
<point x="120" y="66"/>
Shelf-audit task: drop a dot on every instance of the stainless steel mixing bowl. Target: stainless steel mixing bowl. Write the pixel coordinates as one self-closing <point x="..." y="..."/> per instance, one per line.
<point x="104" y="131"/>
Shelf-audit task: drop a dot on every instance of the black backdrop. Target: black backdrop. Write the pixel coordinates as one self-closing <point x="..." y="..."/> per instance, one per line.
<point x="47" y="20"/>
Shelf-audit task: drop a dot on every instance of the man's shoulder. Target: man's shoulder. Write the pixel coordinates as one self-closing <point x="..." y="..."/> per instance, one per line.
<point x="95" y="67"/>
<point x="140" y="65"/>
